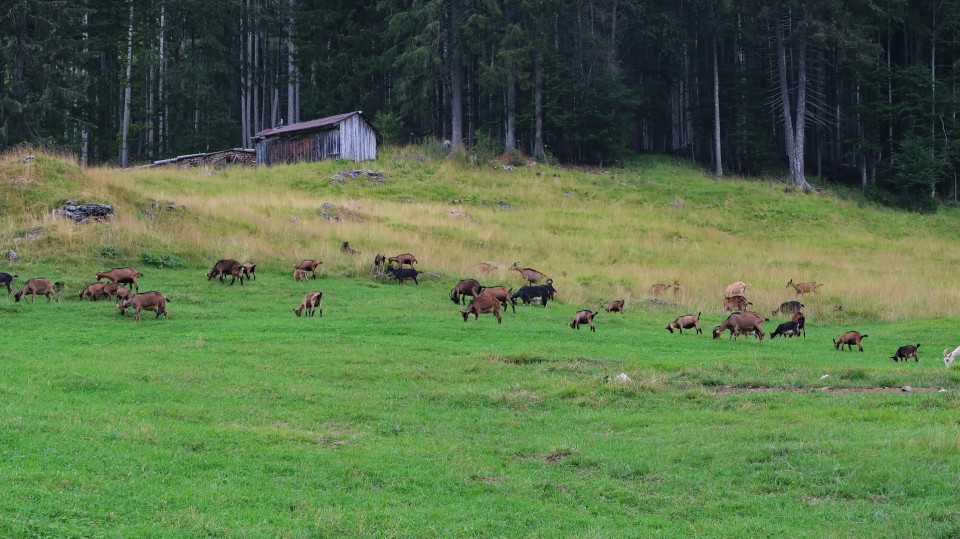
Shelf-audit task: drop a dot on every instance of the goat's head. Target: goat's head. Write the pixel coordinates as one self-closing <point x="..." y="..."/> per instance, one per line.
<point x="949" y="356"/>
<point x="717" y="332"/>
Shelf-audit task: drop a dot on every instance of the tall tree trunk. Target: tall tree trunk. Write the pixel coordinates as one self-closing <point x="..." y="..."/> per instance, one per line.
<point x="125" y="129"/>
<point x="510" y="137"/>
<point x="539" y="152"/>
<point x="456" y="77"/>
<point x="292" y="112"/>
<point x="793" y="139"/>
<point x="244" y="99"/>
<point x="718" y="163"/>
<point x="84" y="133"/>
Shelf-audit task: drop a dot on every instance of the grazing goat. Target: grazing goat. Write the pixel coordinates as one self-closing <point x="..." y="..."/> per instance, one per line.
<point x="249" y="271"/>
<point x="530" y="275"/>
<point x="5" y="280"/>
<point x="121" y="275"/>
<point x="347" y="250"/>
<point x="149" y="301"/>
<point x="583" y="317"/>
<point x="311" y="301"/>
<point x="94" y="291"/>
<point x="115" y="289"/>
<point x="480" y="305"/>
<point x="949" y="356"/>
<point x="308" y="265"/>
<point x="37" y="286"/>
<point x="686" y="321"/>
<point x="735" y="303"/>
<point x="658" y="289"/>
<point x="299" y="275"/>
<point x="905" y="352"/>
<point x="464" y="288"/>
<point x="527" y="294"/>
<point x="615" y="306"/>
<point x="224" y="267"/>
<point x="801" y="321"/>
<point x="788" y="307"/>
<point x="405" y="258"/>
<point x="850" y="338"/>
<point x="803" y="288"/>
<point x="501" y="294"/>
<point x="736" y="289"/>
<point x="741" y="323"/>
<point x="403" y="274"/>
<point x="787" y="329"/>
<point x="378" y="262"/>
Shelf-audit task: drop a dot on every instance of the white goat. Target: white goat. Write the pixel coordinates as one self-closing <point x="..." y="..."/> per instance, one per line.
<point x="949" y="356"/>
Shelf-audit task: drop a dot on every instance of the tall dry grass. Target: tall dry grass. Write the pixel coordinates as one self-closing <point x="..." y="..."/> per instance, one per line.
<point x="599" y="234"/>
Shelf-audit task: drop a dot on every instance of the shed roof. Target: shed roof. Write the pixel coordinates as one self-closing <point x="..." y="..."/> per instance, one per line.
<point x="304" y="126"/>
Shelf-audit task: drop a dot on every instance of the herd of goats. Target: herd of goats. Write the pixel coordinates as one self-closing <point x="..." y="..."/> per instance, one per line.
<point x="483" y="299"/>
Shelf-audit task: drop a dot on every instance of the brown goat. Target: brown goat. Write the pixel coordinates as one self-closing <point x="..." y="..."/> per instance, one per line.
<point x="466" y="287"/>
<point x="685" y="322"/>
<point x="906" y="352"/>
<point x="37" y="286"/>
<point x="93" y="291"/>
<point x="405" y="258"/>
<point x="741" y="323"/>
<point x="149" y="301"/>
<point x="530" y="275"/>
<point x="310" y="302"/>
<point x="308" y="266"/>
<point x="803" y="288"/>
<point x="735" y="303"/>
<point x="736" y="289"/>
<point x="299" y="275"/>
<point x="249" y="271"/>
<point x="378" y="262"/>
<point x="583" y="317"/>
<point x="615" y="306"/>
<point x="850" y="338"/>
<point x="480" y="305"/>
<point x="801" y="321"/>
<point x="660" y="288"/>
<point x="482" y="267"/>
<point x="347" y="250"/>
<point x="224" y="267"/>
<point x="501" y="294"/>
<point x="121" y="275"/>
<point x="115" y="289"/>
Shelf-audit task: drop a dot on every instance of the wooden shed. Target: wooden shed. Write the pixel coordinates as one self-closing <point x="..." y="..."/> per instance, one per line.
<point x="344" y="136"/>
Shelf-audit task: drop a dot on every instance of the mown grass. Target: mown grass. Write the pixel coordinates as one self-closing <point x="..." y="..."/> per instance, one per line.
<point x="391" y="417"/>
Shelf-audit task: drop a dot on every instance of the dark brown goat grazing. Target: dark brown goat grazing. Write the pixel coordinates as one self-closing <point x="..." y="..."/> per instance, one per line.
<point x="583" y="317"/>
<point x="481" y="305"/>
<point x="530" y="275"/>
<point x="121" y="275"/>
<point x="347" y="250"/>
<point x="37" y="286"/>
<point x="801" y="321"/>
<point x="308" y="266"/>
<point x="5" y="280"/>
<point x="906" y="352"/>
<point x="803" y="288"/>
<point x="405" y="258"/>
<point x="686" y="321"/>
<point x="311" y="301"/>
<point x="501" y="294"/>
<point x="115" y="289"/>
<point x="249" y="271"/>
<point x="740" y="324"/>
<point x="224" y="267"/>
<point x="93" y="291"/>
<point x="735" y="303"/>
<point x="850" y="338"/>
<point x="466" y="287"/>
<point x="148" y="301"/>
<point x="299" y="275"/>
<point x="615" y="306"/>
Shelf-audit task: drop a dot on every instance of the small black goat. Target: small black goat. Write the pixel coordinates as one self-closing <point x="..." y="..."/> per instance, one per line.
<point x="5" y="280"/>
<point x="403" y="274"/>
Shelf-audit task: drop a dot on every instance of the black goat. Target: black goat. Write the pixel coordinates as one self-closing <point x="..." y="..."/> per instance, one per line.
<point x="403" y="274"/>
<point x="527" y="294"/>
<point x="787" y="329"/>
<point x="5" y="280"/>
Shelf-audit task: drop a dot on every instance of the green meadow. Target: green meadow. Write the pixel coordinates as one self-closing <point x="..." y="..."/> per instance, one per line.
<point x="389" y="416"/>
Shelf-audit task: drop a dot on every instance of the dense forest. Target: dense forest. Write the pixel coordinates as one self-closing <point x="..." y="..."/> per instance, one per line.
<point x="859" y="92"/>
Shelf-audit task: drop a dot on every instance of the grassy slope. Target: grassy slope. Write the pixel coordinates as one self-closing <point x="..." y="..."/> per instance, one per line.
<point x="391" y="417"/>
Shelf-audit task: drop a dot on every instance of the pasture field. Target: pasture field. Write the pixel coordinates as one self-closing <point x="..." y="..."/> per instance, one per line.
<point x="391" y="417"/>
